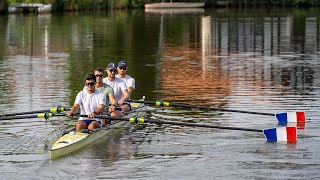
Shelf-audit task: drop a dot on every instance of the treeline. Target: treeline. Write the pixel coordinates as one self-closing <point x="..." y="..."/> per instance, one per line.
<point x="94" y="5"/>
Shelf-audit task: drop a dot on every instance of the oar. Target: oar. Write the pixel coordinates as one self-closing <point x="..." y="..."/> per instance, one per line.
<point x="282" y="117"/>
<point x="286" y="134"/>
<point x="42" y="115"/>
<point x="52" y="110"/>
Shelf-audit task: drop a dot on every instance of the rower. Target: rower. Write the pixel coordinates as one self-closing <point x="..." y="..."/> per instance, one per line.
<point x="108" y="91"/>
<point x="91" y="102"/>
<point x="122" y="74"/>
<point x="119" y="88"/>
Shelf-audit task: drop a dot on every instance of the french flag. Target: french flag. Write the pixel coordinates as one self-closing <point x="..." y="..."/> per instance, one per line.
<point x="291" y="117"/>
<point x="288" y="134"/>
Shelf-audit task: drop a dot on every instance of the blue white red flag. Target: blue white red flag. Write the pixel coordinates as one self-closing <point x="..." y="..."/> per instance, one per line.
<point x="288" y="134"/>
<point x="291" y="117"/>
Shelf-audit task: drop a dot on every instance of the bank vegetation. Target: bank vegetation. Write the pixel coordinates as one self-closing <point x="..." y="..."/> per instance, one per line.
<point x="96" y="5"/>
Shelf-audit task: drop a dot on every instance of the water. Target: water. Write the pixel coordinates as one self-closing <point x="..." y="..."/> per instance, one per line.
<point x="263" y="62"/>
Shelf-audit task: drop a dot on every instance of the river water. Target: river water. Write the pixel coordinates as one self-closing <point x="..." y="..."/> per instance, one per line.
<point x="263" y="61"/>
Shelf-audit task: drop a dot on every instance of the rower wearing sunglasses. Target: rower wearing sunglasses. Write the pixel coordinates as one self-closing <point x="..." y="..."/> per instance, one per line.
<point x="91" y="102"/>
<point x="122" y="74"/>
<point x="108" y="91"/>
<point x="119" y="88"/>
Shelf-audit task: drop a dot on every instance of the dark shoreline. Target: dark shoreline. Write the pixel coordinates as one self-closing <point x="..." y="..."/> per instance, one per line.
<point x="94" y="6"/>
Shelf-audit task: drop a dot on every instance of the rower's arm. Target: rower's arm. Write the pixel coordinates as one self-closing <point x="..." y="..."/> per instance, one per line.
<point x="98" y="111"/>
<point x="113" y="102"/>
<point x="112" y="99"/>
<point x="130" y="90"/>
<point x="73" y="110"/>
<point x="125" y="96"/>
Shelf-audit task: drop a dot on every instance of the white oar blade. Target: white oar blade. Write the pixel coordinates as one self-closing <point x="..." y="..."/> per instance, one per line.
<point x="291" y="117"/>
<point x="281" y="134"/>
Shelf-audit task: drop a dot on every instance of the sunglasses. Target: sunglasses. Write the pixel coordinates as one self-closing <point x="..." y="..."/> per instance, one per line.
<point x="114" y="70"/>
<point x="123" y="68"/>
<point x="99" y="75"/>
<point x="90" y="84"/>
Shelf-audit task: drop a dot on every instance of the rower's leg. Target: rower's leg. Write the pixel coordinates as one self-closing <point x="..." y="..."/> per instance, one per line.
<point x="125" y="108"/>
<point x="81" y="125"/>
<point x="93" y="125"/>
<point x="116" y="113"/>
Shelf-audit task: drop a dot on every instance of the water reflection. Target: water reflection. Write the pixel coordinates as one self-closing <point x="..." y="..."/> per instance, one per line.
<point x="265" y="53"/>
<point x="31" y="66"/>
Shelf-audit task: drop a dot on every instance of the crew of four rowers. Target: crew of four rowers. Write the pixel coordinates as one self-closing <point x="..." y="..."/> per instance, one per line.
<point x="99" y="93"/>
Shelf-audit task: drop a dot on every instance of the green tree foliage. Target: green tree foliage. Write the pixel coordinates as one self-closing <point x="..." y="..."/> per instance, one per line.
<point x="3" y="7"/>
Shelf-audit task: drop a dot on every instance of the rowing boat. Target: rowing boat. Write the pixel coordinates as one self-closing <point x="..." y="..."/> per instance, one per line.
<point x="74" y="141"/>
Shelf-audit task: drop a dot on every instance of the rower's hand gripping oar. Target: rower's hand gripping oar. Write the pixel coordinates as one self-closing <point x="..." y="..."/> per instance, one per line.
<point x="57" y="109"/>
<point x="278" y="134"/>
<point x="283" y="118"/>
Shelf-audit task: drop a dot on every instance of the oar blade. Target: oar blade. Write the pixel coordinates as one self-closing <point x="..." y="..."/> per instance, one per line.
<point x="281" y="134"/>
<point x="291" y="117"/>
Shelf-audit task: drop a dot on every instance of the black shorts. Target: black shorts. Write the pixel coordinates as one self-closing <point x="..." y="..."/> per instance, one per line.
<point x="88" y="121"/>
